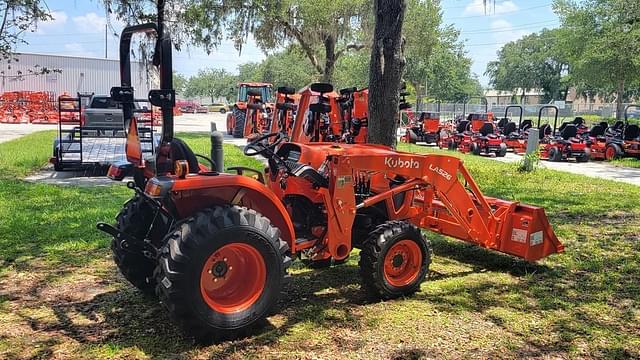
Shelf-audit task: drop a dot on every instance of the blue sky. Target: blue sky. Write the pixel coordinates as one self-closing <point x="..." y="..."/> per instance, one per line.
<point x="79" y="29"/>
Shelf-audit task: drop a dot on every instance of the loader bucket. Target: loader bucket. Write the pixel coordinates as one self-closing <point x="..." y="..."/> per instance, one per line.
<point x="527" y="233"/>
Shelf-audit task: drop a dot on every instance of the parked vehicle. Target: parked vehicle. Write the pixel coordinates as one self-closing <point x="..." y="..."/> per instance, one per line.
<point x="218" y="107"/>
<point x="561" y="144"/>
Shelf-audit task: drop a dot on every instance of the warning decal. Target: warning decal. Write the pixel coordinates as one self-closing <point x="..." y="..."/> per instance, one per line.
<point x="519" y="235"/>
<point x="535" y="238"/>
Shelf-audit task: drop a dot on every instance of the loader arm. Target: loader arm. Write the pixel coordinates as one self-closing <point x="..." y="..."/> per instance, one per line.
<point x="448" y="201"/>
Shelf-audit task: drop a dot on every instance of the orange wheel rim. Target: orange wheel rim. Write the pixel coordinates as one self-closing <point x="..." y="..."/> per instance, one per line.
<point x="402" y="263"/>
<point x="610" y="153"/>
<point x="233" y="278"/>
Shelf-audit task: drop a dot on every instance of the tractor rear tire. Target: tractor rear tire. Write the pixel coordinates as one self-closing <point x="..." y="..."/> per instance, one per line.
<point x="238" y="129"/>
<point x="135" y="219"/>
<point x="394" y="260"/>
<point x="221" y="272"/>
<point x="555" y="155"/>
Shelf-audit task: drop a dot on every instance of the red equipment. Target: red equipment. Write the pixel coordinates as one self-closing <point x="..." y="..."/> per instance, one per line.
<point x="216" y="247"/>
<point x="515" y="136"/>
<point x="563" y="144"/>
<point x="318" y="118"/>
<point x="620" y="140"/>
<point x="481" y="137"/>
<point x="253" y="104"/>
<point x="426" y="128"/>
<point x="354" y="115"/>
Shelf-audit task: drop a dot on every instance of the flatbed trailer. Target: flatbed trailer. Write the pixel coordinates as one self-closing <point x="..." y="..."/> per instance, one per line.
<point x="79" y="147"/>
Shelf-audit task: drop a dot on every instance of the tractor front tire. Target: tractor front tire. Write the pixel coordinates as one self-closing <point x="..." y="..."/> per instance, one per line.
<point x="238" y="128"/>
<point x="394" y="260"/>
<point x="135" y="219"/>
<point x="221" y="272"/>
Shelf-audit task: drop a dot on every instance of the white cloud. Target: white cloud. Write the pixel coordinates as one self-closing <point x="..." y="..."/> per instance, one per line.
<point x="76" y="49"/>
<point x="90" y="23"/>
<point x="476" y="7"/>
<point x="505" y="33"/>
<point x="58" y="21"/>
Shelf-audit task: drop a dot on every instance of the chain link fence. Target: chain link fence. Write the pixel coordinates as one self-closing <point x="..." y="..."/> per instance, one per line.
<point x="591" y="112"/>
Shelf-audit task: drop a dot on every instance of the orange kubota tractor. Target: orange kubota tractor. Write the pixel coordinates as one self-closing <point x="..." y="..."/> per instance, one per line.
<point x="250" y="114"/>
<point x="215" y="247"/>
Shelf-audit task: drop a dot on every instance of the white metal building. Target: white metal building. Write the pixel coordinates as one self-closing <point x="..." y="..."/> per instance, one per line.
<point x="79" y="74"/>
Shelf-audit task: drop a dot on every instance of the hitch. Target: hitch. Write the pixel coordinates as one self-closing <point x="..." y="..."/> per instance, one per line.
<point x="128" y="242"/>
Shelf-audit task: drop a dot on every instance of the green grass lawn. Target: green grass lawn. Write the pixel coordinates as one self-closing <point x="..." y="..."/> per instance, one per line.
<point x="61" y="296"/>
<point x="627" y="162"/>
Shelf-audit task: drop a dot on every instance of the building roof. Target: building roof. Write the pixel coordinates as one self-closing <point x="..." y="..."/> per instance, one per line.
<point x="507" y="93"/>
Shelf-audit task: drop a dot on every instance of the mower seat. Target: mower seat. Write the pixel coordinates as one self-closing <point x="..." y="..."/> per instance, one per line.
<point x="578" y="121"/>
<point x="503" y="122"/>
<point x="487" y="130"/>
<point x="510" y="128"/>
<point x="631" y="132"/>
<point x="545" y="130"/>
<point x="569" y="131"/>
<point x="597" y="131"/>
<point x="462" y="126"/>
<point x="526" y="125"/>
<point x="563" y="126"/>
<point x="604" y="124"/>
<point x="181" y="151"/>
<point x="618" y="125"/>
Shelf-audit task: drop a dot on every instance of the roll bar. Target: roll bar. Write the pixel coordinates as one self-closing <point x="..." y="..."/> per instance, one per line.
<point x="626" y="112"/>
<point x="506" y="112"/>
<point x="555" y="120"/>
<point x="164" y="98"/>
<point x="483" y="100"/>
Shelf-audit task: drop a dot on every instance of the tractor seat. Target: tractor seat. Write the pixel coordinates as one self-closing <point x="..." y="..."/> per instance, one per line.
<point x="181" y="151"/>
<point x="569" y="131"/>
<point x="631" y="132"/>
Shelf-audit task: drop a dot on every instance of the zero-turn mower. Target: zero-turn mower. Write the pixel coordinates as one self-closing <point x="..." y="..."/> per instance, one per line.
<point x="215" y="247"/>
<point x="285" y="111"/>
<point x="561" y="144"/>
<point x="515" y="135"/>
<point x="623" y="141"/>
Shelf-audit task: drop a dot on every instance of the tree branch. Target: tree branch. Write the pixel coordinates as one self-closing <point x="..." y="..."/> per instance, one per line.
<point x="354" y="47"/>
<point x="305" y="46"/>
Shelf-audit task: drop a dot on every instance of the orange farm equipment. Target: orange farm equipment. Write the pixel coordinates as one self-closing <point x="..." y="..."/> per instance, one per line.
<point x="249" y="114"/>
<point x="354" y="115"/>
<point x="318" y="118"/>
<point x="215" y="247"/>
<point x="562" y="144"/>
<point x="285" y="109"/>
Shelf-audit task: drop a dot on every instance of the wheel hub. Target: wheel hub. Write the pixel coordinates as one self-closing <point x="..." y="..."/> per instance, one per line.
<point x="220" y="269"/>
<point x="398" y="259"/>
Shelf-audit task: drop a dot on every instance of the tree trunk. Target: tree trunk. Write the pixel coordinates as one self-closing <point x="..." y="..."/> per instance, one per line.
<point x="416" y="86"/>
<point x="522" y="97"/>
<point x="385" y="71"/>
<point x="330" y="62"/>
<point x="619" y="100"/>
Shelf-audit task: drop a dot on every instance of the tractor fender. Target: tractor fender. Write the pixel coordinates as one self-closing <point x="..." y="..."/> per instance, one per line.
<point x="196" y="193"/>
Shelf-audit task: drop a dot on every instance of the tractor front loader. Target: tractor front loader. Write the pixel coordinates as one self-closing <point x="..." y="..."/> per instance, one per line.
<point x="215" y="247"/>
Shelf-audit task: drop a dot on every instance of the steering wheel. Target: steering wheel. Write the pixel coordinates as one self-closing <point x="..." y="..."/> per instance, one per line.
<point x="259" y="147"/>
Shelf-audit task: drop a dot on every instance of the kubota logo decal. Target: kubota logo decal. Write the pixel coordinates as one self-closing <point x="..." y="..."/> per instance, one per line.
<point x="440" y="172"/>
<point x="399" y="163"/>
